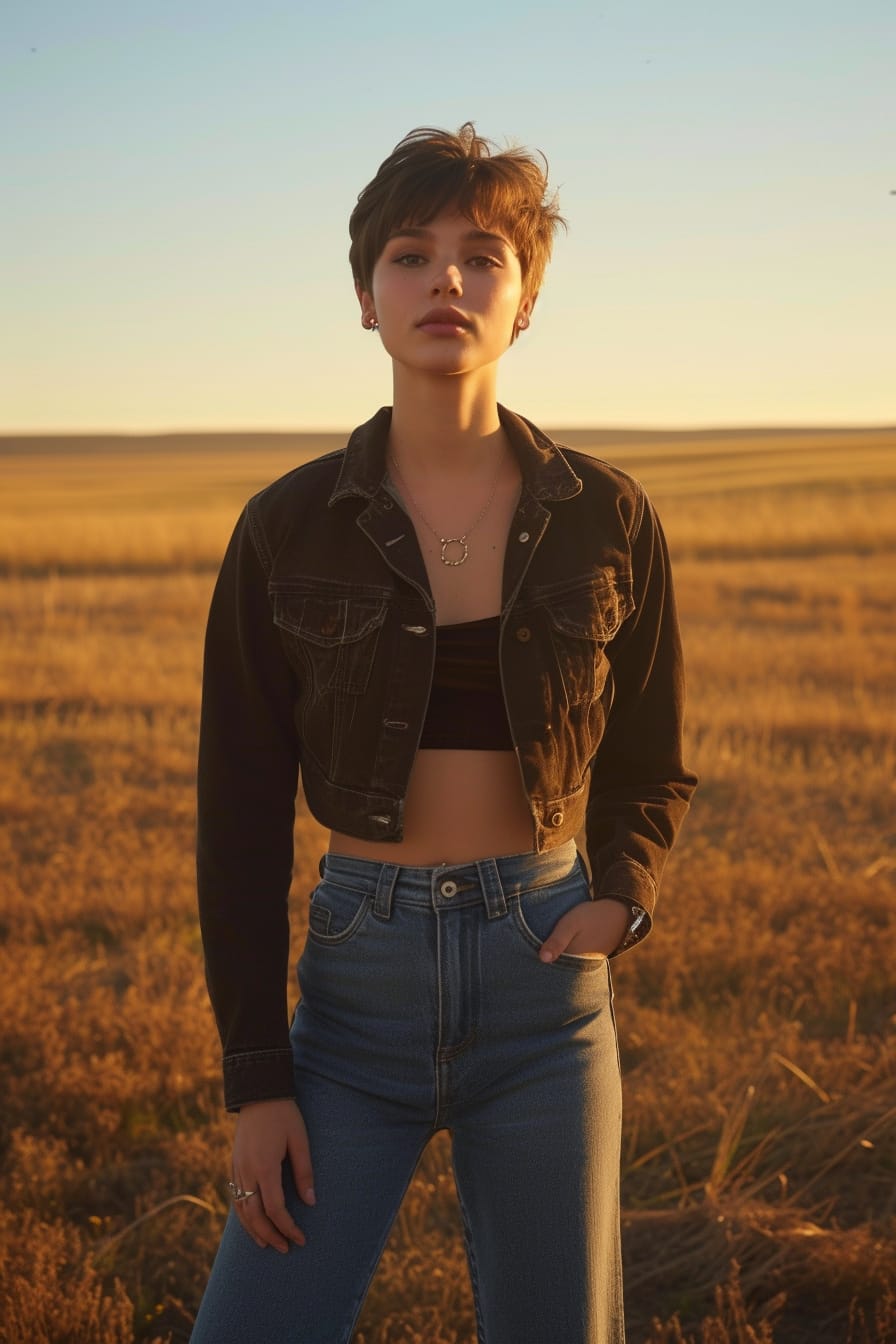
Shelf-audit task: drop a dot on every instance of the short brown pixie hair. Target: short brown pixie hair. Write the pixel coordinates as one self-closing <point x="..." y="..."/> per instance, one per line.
<point x="431" y="170"/>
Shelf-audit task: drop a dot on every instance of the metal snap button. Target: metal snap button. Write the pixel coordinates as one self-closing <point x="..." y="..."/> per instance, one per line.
<point x="523" y="634"/>
<point x="557" y="819"/>
<point x="524" y="536"/>
<point x="448" y="888"/>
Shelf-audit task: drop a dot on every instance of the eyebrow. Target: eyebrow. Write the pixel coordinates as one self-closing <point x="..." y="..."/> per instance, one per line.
<point x="474" y="235"/>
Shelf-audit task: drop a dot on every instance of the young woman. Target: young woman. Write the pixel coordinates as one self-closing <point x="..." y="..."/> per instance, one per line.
<point x="464" y="637"/>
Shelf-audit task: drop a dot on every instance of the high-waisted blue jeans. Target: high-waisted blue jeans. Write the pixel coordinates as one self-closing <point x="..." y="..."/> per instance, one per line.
<point x="424" y="1007"/>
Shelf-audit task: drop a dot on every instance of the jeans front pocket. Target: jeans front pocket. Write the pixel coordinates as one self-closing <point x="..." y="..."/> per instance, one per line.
<point x="535" y="913"/>
<point x="336" y="913"/>
<point x="341" y="960"/>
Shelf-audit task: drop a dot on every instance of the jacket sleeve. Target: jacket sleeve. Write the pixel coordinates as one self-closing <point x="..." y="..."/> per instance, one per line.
<point x="247" y="781"/>
<point x="640" y="789"/>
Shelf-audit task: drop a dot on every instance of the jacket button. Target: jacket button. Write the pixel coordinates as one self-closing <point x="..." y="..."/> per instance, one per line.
<point x="523" y="634"/>
<point x="557" y="819"/>
<point x="524" y="536"/>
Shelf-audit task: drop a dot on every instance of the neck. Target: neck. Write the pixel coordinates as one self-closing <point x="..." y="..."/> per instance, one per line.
<point x="449" y="425"/>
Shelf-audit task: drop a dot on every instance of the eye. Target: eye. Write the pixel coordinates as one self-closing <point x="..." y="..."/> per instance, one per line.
<point x="408" y="259"/>
<point x="485" y="262"/>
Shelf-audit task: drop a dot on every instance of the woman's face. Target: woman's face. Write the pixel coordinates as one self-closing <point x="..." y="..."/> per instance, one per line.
<point x="447" y="296"/>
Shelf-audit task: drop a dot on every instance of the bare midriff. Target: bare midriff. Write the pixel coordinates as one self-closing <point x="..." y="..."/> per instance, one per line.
<point x="460" y="806"/>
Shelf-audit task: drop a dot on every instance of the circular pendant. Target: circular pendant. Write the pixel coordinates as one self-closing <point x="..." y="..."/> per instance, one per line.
<point x="455" y="542"/>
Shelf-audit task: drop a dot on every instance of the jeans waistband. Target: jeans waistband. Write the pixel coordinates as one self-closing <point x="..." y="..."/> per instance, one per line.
<point x="447" y="885"/>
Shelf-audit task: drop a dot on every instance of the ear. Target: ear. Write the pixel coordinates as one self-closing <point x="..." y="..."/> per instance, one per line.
<point x="527" y="305"/>
<point x="523" y="315"/>
<point x="368" y="312"/>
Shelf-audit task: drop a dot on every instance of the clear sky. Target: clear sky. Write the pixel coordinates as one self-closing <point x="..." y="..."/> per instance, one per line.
<point x="178" y="180"/>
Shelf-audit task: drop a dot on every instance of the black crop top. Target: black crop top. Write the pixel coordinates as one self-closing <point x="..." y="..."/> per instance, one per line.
<point x="466" y="706"/>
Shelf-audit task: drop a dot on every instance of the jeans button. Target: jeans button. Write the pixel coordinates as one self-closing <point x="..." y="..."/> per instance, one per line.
<point x="448" y="888"/>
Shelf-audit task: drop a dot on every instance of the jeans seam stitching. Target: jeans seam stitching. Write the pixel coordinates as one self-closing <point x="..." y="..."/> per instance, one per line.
<point x="473" y="1265"/>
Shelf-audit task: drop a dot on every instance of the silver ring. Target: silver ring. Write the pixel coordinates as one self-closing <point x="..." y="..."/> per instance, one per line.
<point x="238" y="1194"/>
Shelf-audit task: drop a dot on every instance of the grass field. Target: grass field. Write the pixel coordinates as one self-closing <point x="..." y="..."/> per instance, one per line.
<point x="756" y="1024"/>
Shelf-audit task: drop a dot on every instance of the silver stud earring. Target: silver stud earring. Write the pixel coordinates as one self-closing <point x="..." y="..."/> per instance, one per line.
<point x="371" y="324"/>
<point x="522" y="322"/>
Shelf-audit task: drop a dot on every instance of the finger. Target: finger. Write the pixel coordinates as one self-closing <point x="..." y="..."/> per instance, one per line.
<point x="280" y="1225"/>
<point x="559" y="938"/>
<point x="252" y="1215"/>
<point x="300" y="1158"/>
<point x="240" y="1208"/>
<point x="246" y="1223"/>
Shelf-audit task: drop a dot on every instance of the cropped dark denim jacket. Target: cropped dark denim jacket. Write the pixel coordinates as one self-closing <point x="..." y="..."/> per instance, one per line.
<point x="319" y="659"/>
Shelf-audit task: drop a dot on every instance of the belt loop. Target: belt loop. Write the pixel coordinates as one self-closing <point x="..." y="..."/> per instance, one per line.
<point x="492" y="890"/>
<point x="385" y="885"/>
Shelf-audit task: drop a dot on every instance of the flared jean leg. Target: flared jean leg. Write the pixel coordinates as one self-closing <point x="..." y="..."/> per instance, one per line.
<point x="364" y="1155"/>
<point x="532" y="1095"/>
<point x="538" y="1185"/>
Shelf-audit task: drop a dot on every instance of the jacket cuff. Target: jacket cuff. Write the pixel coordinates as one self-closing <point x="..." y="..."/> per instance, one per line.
<point x="626" y="880"/>
<point x="631" y="885"/>
<point x="639" y="924"/>
<point x="258" y="1075"/>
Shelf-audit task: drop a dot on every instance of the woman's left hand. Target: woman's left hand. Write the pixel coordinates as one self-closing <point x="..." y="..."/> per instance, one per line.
<point x="592" y="928"/>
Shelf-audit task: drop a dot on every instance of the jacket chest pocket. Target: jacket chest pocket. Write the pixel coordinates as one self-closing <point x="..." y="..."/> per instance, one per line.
<point x="330" y="638"/>
<point x="582" y="619"/>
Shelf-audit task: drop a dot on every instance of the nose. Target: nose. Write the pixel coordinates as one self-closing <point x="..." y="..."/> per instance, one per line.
<point x="447" y="280"/>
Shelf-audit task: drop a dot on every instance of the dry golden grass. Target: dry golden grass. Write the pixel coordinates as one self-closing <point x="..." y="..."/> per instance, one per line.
<point x="756" y="1024"/>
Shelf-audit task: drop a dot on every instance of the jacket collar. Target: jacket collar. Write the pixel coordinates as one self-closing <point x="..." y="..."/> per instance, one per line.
<point x="546" y="473"/>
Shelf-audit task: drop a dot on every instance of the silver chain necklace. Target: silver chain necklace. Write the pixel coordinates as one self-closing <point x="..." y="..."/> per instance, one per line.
<point x="445" y="555"/>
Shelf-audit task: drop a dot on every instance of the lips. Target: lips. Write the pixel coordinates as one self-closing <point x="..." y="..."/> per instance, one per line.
<point x="444" y="317"/>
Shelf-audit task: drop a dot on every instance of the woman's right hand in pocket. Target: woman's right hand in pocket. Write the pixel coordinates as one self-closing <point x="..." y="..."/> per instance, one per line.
<point x="267" y="1133"/>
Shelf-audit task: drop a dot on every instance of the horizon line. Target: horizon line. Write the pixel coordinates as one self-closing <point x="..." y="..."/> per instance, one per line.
<point x="833" y="426"/>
